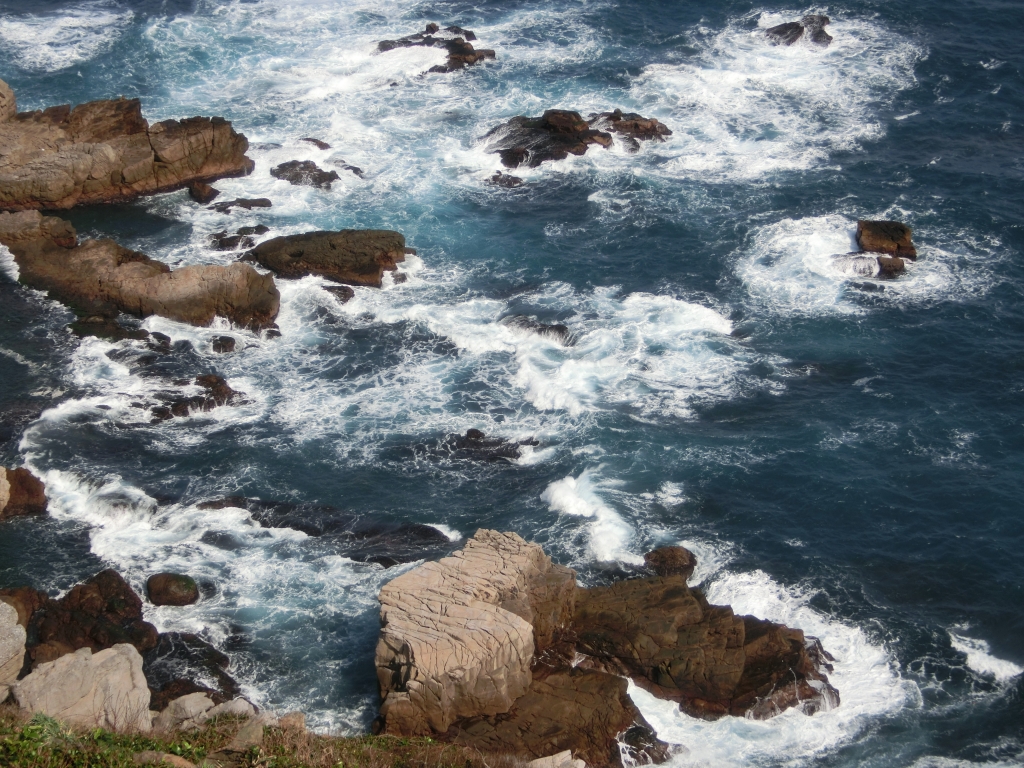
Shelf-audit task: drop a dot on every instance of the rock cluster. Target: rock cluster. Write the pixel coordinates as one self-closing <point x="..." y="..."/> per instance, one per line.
<point x="352" y="256"/>
<point x="455" y="40"/>
<point x="559" y="133"/>
<point x="21" y="493"/>
<point x="304" y="173"/>
<point x="99" y="278"/>
<point x="105" y="151"/>
<point x="498" y="648"/>
<point x="889" y="238"/>
<point x="813" y="24"/>
<point x="216" y="393"/>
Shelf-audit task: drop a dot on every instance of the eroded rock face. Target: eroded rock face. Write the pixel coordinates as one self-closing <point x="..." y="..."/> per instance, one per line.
<point x="889" y="237"/>
<point x="102" y="690"/>
<point x="456" y="636"/>
<point x="455" y="40"/>
<point x="559" y="133"/>
<point x="99" y="278"/>
<point x="105" y="151"/>
<point x="352" y="256"/>
<point x="21" y="493"/>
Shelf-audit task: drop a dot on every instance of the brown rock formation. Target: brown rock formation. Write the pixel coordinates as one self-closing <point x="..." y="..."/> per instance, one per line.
<point x="171" y="589"/>
<point x="559" y="133"/>
<point x="455" y="40"/>
<point x="891" y="266"/>
<point x="21" y="493"/>
<point x="352" y="256"/>
<point x="671" y="561"/>
<point x="99" y="278"/>
<point x="889" y="237"/>
<point x="105" y="151"/>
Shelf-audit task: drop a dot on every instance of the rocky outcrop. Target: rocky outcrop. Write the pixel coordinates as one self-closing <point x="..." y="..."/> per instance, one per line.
<point x="305" y="173"/>
<point x="203" y="193"/>
<point x="813" y="24"/>
<point x="455" y="40"/>
<point x="352" y="256"/>
<point x="559" y="133"/>
<point x="194" y="709"/>
<point x="105" y="151"/>
<point x="671" y="561"/>
<point x="172" y="589"/>
<point x="98" y="279"/>
<point x="889" y="237"/>
<point x="183" y="663"/>
<point x="102" y="690"/>
<point x="216" y="393"/>
<point x="12" y="647"/>
<point x="21" y="493"/>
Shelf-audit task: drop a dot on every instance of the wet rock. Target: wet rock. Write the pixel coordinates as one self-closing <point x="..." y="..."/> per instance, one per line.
<point x="242" y="202"/>
<point x="97" y="614"/>
<point x="342" y="292"/>
<point x="671" y="561"/>
<point x="105" y="151"/>
<point x="224" y="344"/>
<point x="355" y="169"/>
<point x="304" y="173"/>
<point x="785" y="34"/>
<point x="353" y="256"/>
<point x="559" y="133"/>
<point x="257" y="230"/>
<point x="172" y="589"/>
<point x="182" y="663"/>
<point x="99" y="278"/>
<point x="815" y="24"/>
<point x="812" y="24"/>
<point x="506" y="180"/>
<point x="475" y="445"/>
<point x="890" y="267"/>
<point x="217" y="393"/>
<point x="888" y="237"/>
<point x="555" y="331"/>
<point x="222" y="241"/>
<point x="203" y="193"/>
<point x="21" y="493"/>
<point x="455" y="40"/>
<point x="316" y="142"/>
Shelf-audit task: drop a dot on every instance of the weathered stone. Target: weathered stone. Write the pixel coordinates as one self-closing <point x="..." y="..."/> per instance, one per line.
<point x="105" y="151"/>
<point x="183" y="663"/>
<point x="454" y="39"/>
<point x="159" y="700"/>
<point x="294" y="721"/>
<point x="222" y="241"/>
<point x="815" y="24"/>
<point x="172" y="589"/>
<point x="184" y="713"/>
<point x="12" y="645"/>
<point x="456" y="639"/>
<point x="102" y="690"/>
<point x="353" y="256"/>
<point x="630" y="124"/>
<point x="561" y="760"/>
<point x="202" y="193"/>
<point x="305" y="173"/>
<point x="151" y="757"/>
<point x="8" y="104"/>
<point x="889" y="237"/>
<point x="477" y="446"/>
<point x="21" y="493"/>
<point x="25" y="600"/>
<point x="506" y="180"/>
<point x="891" y="266"/>
<point x="671" y="561"/>
<point x="342" y="292"/>
<point x="99" y="278"/>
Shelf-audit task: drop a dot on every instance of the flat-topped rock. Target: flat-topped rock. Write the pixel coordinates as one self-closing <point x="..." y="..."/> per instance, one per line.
<point x="105" y="151"/>
<point x="21" y="493"/>
<point x="889" y="237"/>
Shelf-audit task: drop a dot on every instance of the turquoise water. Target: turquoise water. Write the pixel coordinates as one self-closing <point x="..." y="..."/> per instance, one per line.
<point x="843" y="459"/>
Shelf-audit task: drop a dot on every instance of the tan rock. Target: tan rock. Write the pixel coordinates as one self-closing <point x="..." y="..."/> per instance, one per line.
<point x="8" y="104"/>
<point x="12" y="645"/>
<point x="105" y="151"/>
<point x="21" y="493"/>
<point x="104" y="690"/>
<point x="888" y="237"/>
<point x="185" y="712"/>
<point x="293" y="720"/>
<point x="151" y="757"/>
<point x="456" y="639"/>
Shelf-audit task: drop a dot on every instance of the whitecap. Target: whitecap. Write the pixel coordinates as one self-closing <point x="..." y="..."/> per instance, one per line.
<point x="51" y="42"/>
<point x="980" y="658"/>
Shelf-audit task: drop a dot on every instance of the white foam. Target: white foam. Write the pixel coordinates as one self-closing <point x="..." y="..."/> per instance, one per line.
<point x="452" y="534"/>
<point x="980" y="658"/>
<point x="865" y="674"/>
<point x="50" y="42"/>
<point x="8" y="265"/>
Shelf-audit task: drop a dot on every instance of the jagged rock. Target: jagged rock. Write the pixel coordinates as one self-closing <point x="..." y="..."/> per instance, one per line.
<point x="671" y="561"/>
<point x="217" y="393"/>
<point x="176" y="689"/>
<point x="785" y="34"/>
<point x="342" y="292"/>
<point x="889" y="237"/>
<point x="559" y="133"/>
<point x="293" y="721"/>
<point x="506" y="180"/>
<point x="222" y="241"/>
<point x="305" y="173"/>
<point x="353" y="256"/>
<point x="456" y="637"/>
<point x="813" y="24"/>
<point x="455" y="40"/>
<point x="891" y="266"/>
<point x="172" y="589"/>
<point x="105" y="151"/>
<point x="242" y="202"/>
<point x="102" y="690"/>
<point x="12" y="645"/>
<point x="316" y="142"/>
<point x="182" y="663"/>
<point x="222" y="345"/>
<point x="97" y="614"/>
<point x="556" y="331"/>
<point x="259" y="229"/>
<point x="21" y="493"/>
<point x="476" y="445"/>
<point x="203" y="193"/>
<point x="99" y="278"/>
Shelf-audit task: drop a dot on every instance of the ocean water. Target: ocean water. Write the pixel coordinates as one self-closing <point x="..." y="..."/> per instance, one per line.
<point x="847" y="460"/>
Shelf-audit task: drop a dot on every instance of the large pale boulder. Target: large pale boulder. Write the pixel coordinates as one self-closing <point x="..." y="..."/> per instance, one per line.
<point x="105" y="151"/>
<point x="12" y="645"/>
<point x="21" y="493"/>
<point x="456" y="635"/>
<point x="99" y="278"/>
<point x="102" y="690"/>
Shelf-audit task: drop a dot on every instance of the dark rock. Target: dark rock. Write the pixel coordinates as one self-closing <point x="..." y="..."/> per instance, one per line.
<point x="224" y="344"/>
<point x="179" y="660"/>
<point x="97" y="614"/>
<point x="21" y="493"/>
<point x="477" y="446"/>
<point x="316" y="142"/>
<point x="172" y="589"/>
<point x="105" y="328"/>
<point x="202" y="193"/>
<point x="815" y="24"/>
<point x="259" y="229"/>
<point x="671" y="561"/>
<point x="461" y="53"/>
<point x="506" y="180"/>
<point x="555" y="331"/>
<point x="891" y="267"/>
<point x="217" y="393"/>
<point x="889" y="237"/>
<point x="242" y="202"/>
<point x="305" y="173"/>
<point x="399" y="277"/>
<point x="222" y="241"/>
<point x="353" y="256"/>
<point x="342" y="292"/>
<point x="631" y="125"/>
<point x="785" y="34"/>
<point x="355" y="169"/>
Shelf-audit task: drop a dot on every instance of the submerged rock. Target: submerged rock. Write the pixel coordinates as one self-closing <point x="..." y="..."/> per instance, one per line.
<point x="305" y="173"/>
<point x="889" y="237"/>
<point x="455" y="40"/>
<point x="479" y="447"/>
<point x="105" y="151"/>
<point x="559" y="133"/>
<point x="21" y="493"/>
<point x="891" y="266"/>
<point x="353" y="256"/>
<point x="242" y="202"/>
<point x="222" y="345"/>
<point x="556" y="331"/>
<point x="316" y="142"/>
<point x="506" y="180"/>
<point x="99" y="278"/>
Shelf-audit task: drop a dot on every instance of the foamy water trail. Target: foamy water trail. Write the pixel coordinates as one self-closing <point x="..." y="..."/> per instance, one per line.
<point x="980" y="658"/>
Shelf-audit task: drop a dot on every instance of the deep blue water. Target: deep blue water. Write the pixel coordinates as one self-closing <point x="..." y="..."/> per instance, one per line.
<point x="846" y="460"/>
